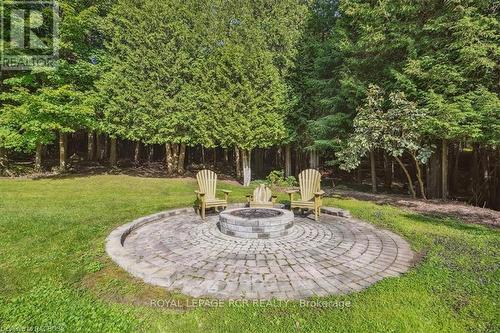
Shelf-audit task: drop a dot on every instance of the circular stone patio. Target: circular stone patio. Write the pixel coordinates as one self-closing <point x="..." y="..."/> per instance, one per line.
<point x="179" y="251"/>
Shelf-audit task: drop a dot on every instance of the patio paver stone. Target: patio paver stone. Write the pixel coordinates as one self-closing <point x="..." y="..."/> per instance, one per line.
<point x="336" y="255"/>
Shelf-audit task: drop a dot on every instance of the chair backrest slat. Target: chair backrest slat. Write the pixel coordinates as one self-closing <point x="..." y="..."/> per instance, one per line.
<point x="262" y="194"/>
<point x="207" y="183"/>
<point x="310" y="182"/>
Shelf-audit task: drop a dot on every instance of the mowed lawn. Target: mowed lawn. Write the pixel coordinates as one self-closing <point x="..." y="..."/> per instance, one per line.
<point x="55" y="274"/>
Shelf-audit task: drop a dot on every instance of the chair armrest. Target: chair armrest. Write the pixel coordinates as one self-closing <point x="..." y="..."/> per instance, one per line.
<point x="200" y="196"/>
<point x="319" y="193"/>
<point x="226" y="193"/>
<point x="249" y="197"/>
<point x="291" y="193"/>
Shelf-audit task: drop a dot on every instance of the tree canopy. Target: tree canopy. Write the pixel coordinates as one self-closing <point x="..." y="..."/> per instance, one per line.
<point x="343" y="78"/>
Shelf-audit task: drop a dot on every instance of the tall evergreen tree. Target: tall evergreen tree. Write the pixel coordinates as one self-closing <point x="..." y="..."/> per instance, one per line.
<point x="154" y="51"/>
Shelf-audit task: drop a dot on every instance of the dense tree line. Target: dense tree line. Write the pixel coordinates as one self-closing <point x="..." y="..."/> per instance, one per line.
<point x="409" y="81"/>
<point x="341" y="82"/>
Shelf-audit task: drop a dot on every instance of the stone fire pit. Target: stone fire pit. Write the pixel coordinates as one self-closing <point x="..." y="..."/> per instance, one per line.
<point x="252" y="223"/>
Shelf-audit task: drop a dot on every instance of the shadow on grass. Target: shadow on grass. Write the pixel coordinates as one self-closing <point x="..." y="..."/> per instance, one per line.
<point x="141" y="172"/>
<point x="437" y="220"/>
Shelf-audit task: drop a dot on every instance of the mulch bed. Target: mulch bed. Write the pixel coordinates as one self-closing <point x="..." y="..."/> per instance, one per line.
<point x="456" y="209"/>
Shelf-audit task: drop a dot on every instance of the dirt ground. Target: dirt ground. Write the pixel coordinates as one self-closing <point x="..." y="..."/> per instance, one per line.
<point x="459" y="210"/>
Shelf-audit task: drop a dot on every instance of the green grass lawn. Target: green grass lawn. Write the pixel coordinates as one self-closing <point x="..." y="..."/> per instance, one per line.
<point x="55" y="275"/>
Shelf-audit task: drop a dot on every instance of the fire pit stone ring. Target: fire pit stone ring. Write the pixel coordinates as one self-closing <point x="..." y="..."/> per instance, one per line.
<point x="256" y="223"/>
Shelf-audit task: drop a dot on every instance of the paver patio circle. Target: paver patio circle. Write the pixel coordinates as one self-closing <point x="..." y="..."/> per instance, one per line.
<point x="336" y="255"/>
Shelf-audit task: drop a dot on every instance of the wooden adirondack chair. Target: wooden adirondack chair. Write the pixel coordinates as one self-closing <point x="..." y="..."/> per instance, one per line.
<point x="311" y="196"/>
<point x="207" y="184"/>
<point x="261" y="197"/>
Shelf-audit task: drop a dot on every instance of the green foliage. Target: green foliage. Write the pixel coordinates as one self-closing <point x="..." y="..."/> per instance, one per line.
<point x="318" y="117"/>
<point x="276" y="178"/>
<point x="390" y="123"/>
<point x="28" y="119"/>
<point x="153" y="46"/>
<point x="208" y="73"/>
<point x="441" y="55"/>
<point x="42" y="101"/>
<point x="460" y="64"/>
<point x="242" y="95"/>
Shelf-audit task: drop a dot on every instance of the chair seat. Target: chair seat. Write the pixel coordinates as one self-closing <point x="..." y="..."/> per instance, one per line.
<point x="261" y="204"/>
<point x="214" y="201"/>
<point x="305" y="204"/>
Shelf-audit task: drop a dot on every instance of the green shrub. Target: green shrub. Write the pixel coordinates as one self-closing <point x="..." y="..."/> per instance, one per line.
<point x="276" y="178"/>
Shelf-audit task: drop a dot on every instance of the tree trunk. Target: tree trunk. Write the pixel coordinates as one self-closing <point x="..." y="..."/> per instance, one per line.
<point x="298" y="160"/>
<point x="444" y="169"/>
<point x="91" y="146"/>
<point x="4" y="162"/>
<point x="113" y="153"/>
<point x="215" y="156"/>
<point x="137" y="153"/>
<point x="496" y="180"/>
<point x="485" y="162"/>
<point x="63" y="144"/>
<point x="434" y="175"/>
<point x="105" y="150"/>
<point x="181" y="158"/>
<point x="373" y="171"/>
<point x="98" y="139"/>
<point x="226" y="156"/>
<point x="408" y="177"/>
<point x="419" y="176"/>
<point x="313" y="159"/>
<point x="454" y="174"/>
<point x="288" y="161"/>
<point x="388" y="171"/>
<point x="175" y="156"/>
<point x="203" y="155"/>
<point x="237" y="162"/>
<point x="172" y="157"/>
<point x="169" y="160"/>
<point x="38" y="157"/>
<point x="3" y="158"/>
<point x="279" y="157"/>
<point x="151" y="153"/>
<point x="247" y="171"/>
